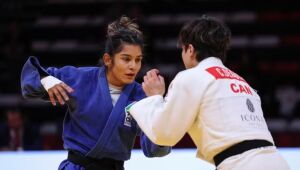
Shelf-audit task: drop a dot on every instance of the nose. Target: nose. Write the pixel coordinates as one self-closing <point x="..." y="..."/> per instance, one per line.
<point x="132" y="65"/>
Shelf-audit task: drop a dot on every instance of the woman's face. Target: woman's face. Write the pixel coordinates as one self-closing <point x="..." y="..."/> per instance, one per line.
<point x="124" y="66"/>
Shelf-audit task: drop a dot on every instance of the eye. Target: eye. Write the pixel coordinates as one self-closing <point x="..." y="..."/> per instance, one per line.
<point x="127" y="59"/>
<point x="138" y="60"/>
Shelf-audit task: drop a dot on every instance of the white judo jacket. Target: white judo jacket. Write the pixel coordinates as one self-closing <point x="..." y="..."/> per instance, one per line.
<point x="214" y="105"/>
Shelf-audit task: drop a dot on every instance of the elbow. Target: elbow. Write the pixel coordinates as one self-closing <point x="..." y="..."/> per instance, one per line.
<point x="28" y="92"/>
<point x="164" y="138"/>
<point x="25" y="92"/>
<point x="165" y="141"/>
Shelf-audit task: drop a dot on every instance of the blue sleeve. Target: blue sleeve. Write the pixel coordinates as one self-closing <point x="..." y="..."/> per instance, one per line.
<point x="31" y="75"/>
<point x="152" y="150"/>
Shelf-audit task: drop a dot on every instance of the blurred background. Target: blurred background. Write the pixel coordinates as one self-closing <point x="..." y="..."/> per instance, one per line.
<point x="265" y="50"/>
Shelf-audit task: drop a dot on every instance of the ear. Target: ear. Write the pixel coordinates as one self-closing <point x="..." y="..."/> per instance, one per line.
<point x="191" y="48"/>
<point x="191" y="51"/>
<point x="106" y="59"/>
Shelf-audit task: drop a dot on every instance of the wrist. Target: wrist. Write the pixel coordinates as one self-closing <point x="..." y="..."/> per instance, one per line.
<point x="49" y="81"/>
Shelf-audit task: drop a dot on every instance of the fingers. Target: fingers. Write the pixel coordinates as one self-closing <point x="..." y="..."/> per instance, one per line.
<point x="153" y="83"/>
<point x="146" y="79"/>
<point x="151" y="76"/>
<point x="68" y="88"/>
<point x="156" y="71"/>
<point x="51" y="97"/>
<point x="63" y="92"/>
<point x="161" y="79"/>
<point x="144" y="87"/>
<point x="153" y="73"/>
<point x="58" y="96"/>
<point x="59" y="92"/>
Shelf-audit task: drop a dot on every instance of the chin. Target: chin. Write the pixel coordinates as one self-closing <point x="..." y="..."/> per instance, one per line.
<point x="128" y="81"/>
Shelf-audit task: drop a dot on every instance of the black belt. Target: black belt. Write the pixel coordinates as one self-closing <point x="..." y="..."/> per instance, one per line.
<point x="240" y="148"/>
<point x="95" y="164"/>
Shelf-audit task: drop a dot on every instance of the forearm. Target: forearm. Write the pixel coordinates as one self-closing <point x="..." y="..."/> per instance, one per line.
<point x="154" y="121"/>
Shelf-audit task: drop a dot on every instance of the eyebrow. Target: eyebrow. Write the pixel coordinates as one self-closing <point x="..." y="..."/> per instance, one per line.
<point x="127" y="55"/>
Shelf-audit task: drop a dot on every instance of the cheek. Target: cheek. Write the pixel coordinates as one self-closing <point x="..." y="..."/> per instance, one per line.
<point x="139" y="66"/>
<point x="119" y="66"/>
<point x="182" y="55"/>
<point x="183" y="58"/>
<point x="117" y="71"/>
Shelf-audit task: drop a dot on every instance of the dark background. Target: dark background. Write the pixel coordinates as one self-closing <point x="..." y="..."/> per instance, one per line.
<point x="264" y="50"/>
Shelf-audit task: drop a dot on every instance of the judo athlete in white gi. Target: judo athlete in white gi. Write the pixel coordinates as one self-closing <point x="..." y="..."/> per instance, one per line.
<point x="96" y="131"/>
<point x="214" y="105"/>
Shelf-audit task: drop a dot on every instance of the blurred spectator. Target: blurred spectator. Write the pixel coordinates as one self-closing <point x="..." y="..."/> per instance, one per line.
<point x="17" y="134"/>
<point x="51" y="136"/>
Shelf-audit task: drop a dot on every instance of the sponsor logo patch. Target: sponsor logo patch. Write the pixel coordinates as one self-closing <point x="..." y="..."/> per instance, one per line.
<point x="128" y="117"/>
<point x="250" y="105"/>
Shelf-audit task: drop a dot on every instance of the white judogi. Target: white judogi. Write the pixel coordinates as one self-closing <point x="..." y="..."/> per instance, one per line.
<point x="214" y="105"/>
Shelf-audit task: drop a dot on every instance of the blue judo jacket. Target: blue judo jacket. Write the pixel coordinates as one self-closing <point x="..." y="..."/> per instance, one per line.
<point x="92" y="125"/>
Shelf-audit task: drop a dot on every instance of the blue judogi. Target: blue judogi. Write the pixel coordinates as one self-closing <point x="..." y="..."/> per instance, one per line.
<point x="92" y="125"/>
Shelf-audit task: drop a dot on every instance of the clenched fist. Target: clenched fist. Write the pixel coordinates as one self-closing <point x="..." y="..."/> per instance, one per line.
<point x="154" y="84"/>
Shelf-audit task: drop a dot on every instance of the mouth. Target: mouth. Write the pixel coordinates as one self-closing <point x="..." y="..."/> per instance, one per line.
<point x="130" y="75"/>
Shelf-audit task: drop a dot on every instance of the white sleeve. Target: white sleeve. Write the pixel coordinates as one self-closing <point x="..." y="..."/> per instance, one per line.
<point x="49" y="81"/>
<point x="165" y="121"/>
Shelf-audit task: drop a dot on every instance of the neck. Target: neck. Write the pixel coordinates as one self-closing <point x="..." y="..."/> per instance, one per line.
<point x="114" y="87"/>
<point x="112" y="82"/>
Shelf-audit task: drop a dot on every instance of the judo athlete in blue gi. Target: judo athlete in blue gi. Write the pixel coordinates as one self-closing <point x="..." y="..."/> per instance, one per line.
<point x="97" y="132"/>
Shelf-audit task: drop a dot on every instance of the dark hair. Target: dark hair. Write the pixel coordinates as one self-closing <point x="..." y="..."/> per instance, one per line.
<point x="120" y="32"/>
<point x="208" y="36"/>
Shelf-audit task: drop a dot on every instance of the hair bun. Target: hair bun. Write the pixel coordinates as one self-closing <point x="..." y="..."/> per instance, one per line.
<point x="123" y="24"/>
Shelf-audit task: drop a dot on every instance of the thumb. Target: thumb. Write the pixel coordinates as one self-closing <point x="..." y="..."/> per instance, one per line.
<point x="144" y="86"/>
